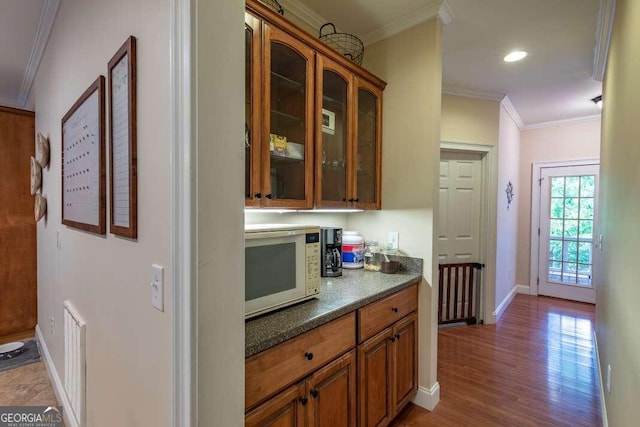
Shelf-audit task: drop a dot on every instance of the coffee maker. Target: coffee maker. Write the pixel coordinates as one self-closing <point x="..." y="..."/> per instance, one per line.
<point x="331" y="251"/>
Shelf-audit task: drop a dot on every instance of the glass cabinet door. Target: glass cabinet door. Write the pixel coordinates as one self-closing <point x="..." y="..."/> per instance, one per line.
<point x="287" y="179"/>
<point x="333" y="131"/>
<point x="252" y="37"/>
<point x="368" y="147"/>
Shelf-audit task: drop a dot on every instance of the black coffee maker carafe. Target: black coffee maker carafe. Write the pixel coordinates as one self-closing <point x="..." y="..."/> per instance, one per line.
<point x="331" y="251"/>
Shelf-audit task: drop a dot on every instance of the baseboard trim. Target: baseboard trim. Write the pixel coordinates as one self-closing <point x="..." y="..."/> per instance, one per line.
<point x="427" y="398"/>
<point x="58" y="388"/>
<point x="522" y="289"/>
<point x="605" y="419"/>
<point x="505" y="303"/>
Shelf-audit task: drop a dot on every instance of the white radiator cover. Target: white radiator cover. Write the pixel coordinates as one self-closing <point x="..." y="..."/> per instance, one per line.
<point x="75" y="362"/>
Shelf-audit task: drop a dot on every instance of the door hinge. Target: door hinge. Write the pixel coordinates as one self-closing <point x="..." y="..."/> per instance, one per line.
<point x="540" y="181"/>
<point x="538" y="281"/>
<point x="538" y="231"/>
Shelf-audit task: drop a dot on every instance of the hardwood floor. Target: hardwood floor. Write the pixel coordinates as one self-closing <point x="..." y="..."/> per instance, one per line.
<point x="536" y="367"/>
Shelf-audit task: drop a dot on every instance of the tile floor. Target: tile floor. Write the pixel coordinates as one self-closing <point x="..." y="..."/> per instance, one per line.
<point x="26" y="386"/>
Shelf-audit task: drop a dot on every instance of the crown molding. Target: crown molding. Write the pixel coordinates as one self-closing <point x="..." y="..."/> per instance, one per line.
<point x="9" y="102"/>
<point x="603" y="38"/>
<point x="43" y="32"/>
<point x="405" y="22"/>
<point x="472" y="93"/>
<point x="562" y="122"/>
<point x="445" y="13"/>
<point x="303" y="13"/>
<point x="513" y="113"/>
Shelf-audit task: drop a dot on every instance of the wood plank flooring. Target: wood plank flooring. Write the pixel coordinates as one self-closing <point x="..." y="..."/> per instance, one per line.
<point x="26" y="386"/>
<point x="536" y="367"/>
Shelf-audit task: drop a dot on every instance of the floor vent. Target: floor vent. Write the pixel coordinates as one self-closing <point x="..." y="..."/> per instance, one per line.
<point x="74" y="362"/>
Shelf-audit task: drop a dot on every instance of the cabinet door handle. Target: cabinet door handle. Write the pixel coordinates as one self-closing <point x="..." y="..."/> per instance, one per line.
<point x="304" y="401"/>
<point x="394" y="309"/>
<point x="314" y="393"/>
<point x="258" y="196"/>
<point x="356" y="200"/>
<point x="344" y="200"/>
<point x="308" y="355"/>
<point x="398" y="337"/>
<point x="248" y="195"/>
<point x="268" y="196"/>
<point x="392" y="338"/>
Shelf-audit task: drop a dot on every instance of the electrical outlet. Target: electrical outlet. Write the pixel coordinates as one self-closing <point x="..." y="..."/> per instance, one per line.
<point x="52" y="323"/>
<point x="608" y="386"/>
<point x="393" y="240"/>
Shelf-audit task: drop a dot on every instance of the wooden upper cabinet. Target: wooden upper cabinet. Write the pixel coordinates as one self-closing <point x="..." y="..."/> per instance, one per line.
<point x="252" y="109"/>
<point x="367" y="160"/>
<point x="287" y="174"/>
<point x="334" y="134"/>
<point x="313" y="120"/>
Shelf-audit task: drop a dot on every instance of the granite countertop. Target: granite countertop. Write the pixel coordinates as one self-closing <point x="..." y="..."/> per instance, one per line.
<point x="338" y="296"/>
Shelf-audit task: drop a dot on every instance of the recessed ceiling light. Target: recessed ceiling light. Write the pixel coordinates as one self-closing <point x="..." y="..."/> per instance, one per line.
<point x="516" y="55"/>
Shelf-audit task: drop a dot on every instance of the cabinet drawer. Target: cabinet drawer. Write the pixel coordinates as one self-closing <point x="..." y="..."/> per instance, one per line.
<point x="378" y="315"/>
<point x="274" y="369"/>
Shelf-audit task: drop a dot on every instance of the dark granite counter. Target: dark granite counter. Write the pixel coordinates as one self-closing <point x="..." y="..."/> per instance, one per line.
<point x="338" y="296"/>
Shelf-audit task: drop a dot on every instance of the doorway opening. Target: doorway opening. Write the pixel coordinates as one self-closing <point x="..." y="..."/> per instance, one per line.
<point x="462" y="233"/>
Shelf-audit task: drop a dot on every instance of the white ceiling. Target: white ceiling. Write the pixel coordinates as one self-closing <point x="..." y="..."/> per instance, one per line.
<point x="554" y="83"/>
<point x="24" y="29"/>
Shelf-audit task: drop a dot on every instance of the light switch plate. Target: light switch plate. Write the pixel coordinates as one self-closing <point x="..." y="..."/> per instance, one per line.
<point x="157" y="286"/>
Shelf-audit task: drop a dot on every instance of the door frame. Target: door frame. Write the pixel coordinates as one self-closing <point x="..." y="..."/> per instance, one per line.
<point x="536" y="170"/>
<point x="488" y="215"/>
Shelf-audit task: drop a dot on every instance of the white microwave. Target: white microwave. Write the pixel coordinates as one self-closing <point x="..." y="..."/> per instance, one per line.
<point x="282" y="266"/>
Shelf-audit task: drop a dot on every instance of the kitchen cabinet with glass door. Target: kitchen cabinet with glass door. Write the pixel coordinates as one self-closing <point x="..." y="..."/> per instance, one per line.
<point x="313" y="120"/>
<point x="348" y="139"/>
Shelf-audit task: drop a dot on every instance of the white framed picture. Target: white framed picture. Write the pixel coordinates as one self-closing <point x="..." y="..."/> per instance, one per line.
<point x="328" y="122"/>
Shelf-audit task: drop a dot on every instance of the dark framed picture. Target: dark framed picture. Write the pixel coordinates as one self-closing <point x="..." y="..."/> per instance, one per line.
<point x="122" y="138"/>
<point x="83" y="162"/>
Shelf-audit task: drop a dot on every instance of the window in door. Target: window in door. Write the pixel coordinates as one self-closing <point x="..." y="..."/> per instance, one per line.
<point x="571" y="216"/>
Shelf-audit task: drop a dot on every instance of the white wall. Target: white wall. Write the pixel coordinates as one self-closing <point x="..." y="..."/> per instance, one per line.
<point x="617" y="291"/>
<point x="129" y="363"/>
<point x="565" y="142"/>
<point x="507" y="219"/>
<point x="219" y="122"/>
<point x="411" y="64"/>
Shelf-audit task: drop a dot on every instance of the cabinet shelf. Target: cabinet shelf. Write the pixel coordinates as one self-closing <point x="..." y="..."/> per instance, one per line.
<point x="328" y="98"/>
<point x="277" y="158"/>
<point x="287" y="120"/>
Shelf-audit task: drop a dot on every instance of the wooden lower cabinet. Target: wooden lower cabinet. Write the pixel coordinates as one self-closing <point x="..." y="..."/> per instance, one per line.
<point x="387" y="373"/>
<point x="405" y="358"/>
<point x="375" y="359"/>
<point x="327" y="398"/>
<point x="332" y="394"/>
<point x="310" y="380"/>
<point x="286" y="409"/>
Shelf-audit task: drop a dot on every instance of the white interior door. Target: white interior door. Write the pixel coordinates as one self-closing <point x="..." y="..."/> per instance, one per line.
<point x="568" y="209"/>
<point x="460" y="207"/>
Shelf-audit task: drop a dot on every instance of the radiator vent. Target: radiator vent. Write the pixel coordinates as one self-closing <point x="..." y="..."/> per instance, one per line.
<point x="74" y="362"/>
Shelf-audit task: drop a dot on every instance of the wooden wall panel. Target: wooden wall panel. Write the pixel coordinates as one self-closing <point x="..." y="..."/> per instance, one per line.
<point x="18" y="262"/>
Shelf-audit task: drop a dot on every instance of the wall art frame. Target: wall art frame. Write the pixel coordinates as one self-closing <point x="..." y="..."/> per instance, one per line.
<point x="123" y="158"/>
<point x="83" y="161"/>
